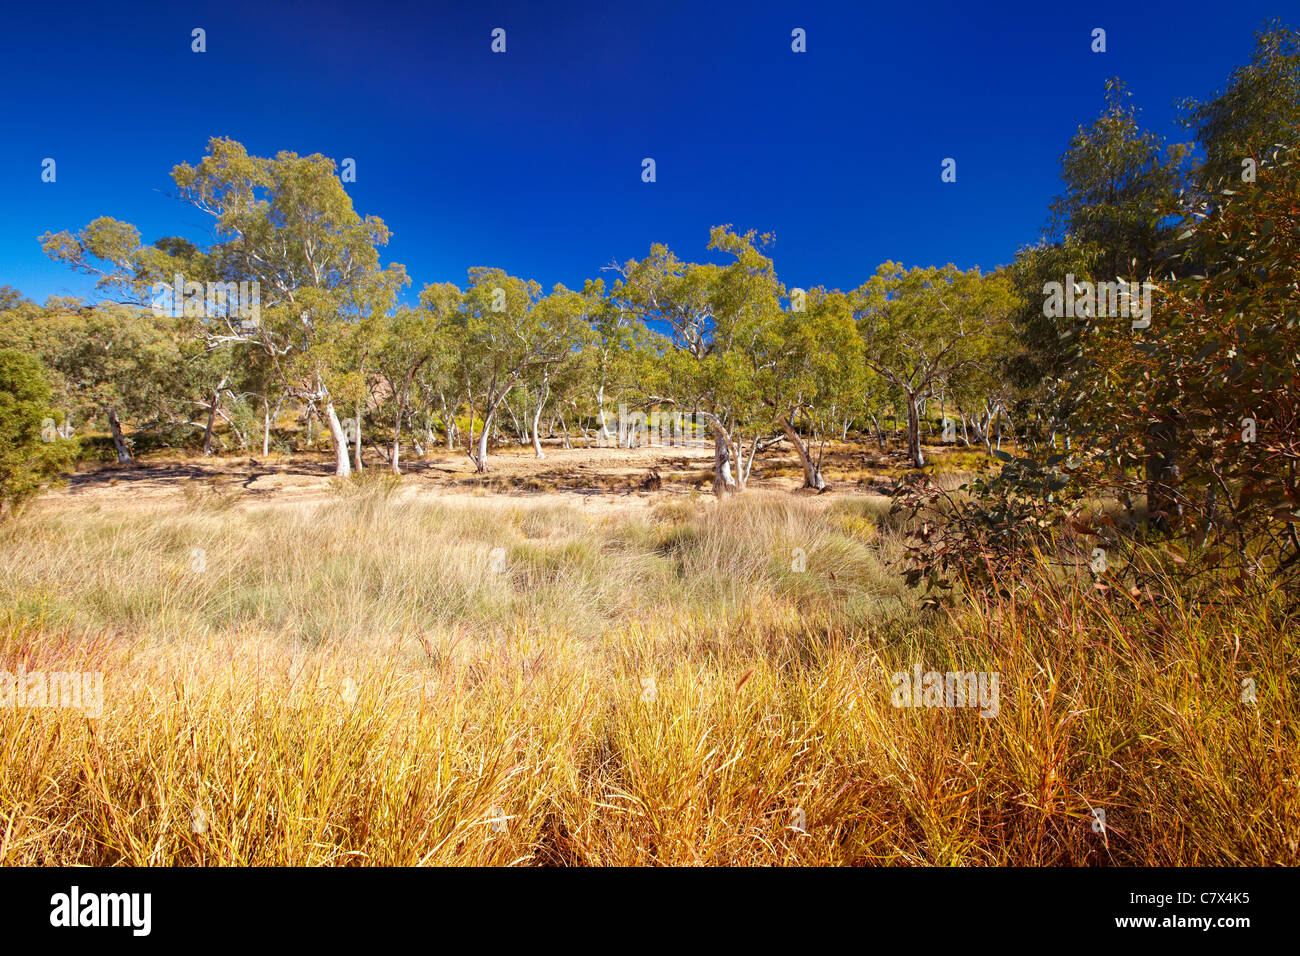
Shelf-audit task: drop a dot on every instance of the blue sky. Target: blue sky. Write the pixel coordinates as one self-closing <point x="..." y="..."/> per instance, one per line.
<point x="531" y="160"/>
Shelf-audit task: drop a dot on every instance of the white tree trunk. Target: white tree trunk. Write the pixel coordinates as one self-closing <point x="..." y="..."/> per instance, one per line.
<point x="537" y="419"/>
<point x="723" y="482"/>
<point x="480" y="455"/>
<point x="812" y="474"/>
<point x="119" y="443"/>
<point x="914" y="432"/>
<point x="605" y="434"/>
<point x="342" y="467"/>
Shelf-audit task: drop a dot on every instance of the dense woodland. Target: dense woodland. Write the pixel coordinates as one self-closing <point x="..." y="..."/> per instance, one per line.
<point x="1183" y="428"/>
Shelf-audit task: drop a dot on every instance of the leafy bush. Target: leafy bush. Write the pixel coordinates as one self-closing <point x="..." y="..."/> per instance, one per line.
<point x="31" y="450"/>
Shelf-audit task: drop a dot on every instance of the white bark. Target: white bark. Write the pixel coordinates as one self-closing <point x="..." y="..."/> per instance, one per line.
<point x="537" y="419"/>
<point x="723" y="482"/>
<point x="480" y="458"/>
<point x="914" y="432"/>
<point x="342" y="467"/>
<point x="119" y="443"/>
<point x="605" y="434"/>
<point x="812" y="474"/>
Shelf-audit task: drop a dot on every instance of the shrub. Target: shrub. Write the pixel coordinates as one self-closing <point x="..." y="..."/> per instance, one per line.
<point x="31" y="452"/>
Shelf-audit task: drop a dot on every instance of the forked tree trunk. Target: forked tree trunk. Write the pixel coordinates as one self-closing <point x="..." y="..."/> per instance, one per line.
<point x="480" y="456"/>
<point x="212" y="415"/>
<point x="723" y="482"/>
<point x="812" y="474"/>
<point x="119" y="443"/>
<point x="537" y="440"/>
<point x="342" y="467"/>
<point x="577" y="423"/>
<point x="983" y="425"/>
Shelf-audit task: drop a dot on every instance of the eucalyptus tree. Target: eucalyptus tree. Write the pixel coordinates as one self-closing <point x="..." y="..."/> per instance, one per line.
<point x="285" y="223"/>
<point x="111" y="381"/>
<point x="116" y="362"/>
<point x="1258" y="110"/>
<point x="410" y="342"/>
<point x="1118" y="177"/>
<point x="818" y="374"/>
<point x="438" y="380"/>
<point x="573" y="396"/>
<point x="569" y="317"/>
<point x="612" y="352"/>
<point x="31" y="451"/>
<point x="722" y="323"/>
<point x="921" y="326"/>
<point x="503" y="330"/>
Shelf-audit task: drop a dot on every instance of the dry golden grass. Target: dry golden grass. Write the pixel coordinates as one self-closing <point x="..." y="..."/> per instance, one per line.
<point x="381" y="679"/>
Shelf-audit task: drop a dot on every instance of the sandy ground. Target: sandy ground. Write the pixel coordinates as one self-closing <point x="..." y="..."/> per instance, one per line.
<point x="606" y="479"/>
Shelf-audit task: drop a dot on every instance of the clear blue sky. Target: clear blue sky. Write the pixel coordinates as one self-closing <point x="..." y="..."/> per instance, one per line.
<point x="531" y="160"/>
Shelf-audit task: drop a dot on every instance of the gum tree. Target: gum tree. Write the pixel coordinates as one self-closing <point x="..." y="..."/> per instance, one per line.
<point x="288" y="224"/>
<point x="818" y="372"/>
<point x="722" y="324"/>
<point x="1223" y="348"/>
<point x="504" y="329"/>
<point x="921" y="326"/>
<point x="285" y="223"/>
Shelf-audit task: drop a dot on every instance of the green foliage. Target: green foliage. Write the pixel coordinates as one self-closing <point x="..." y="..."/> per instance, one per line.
<point x="981" y="534"/>
<point x="1118" y="178"/>
<point x="31" y="451"/>
<point x="1258" y="111"/>
<point x="927" y="327"/>
<point x="1221" y="352"/>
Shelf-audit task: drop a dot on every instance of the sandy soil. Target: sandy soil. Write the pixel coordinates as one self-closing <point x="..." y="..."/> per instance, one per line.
<point x="608" y="479"/>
